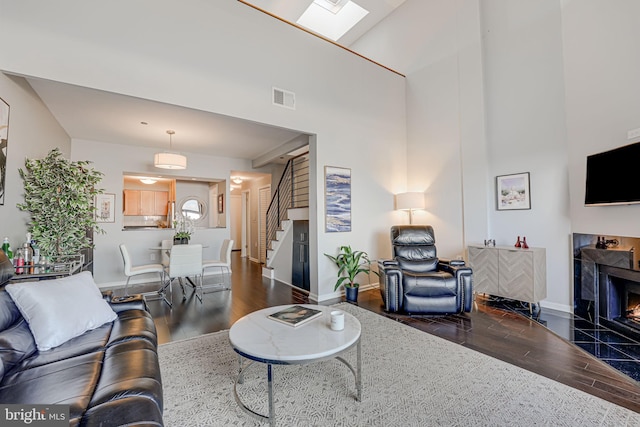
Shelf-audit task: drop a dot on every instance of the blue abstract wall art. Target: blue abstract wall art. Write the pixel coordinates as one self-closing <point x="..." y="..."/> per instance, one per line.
<point x="337" y="187"/>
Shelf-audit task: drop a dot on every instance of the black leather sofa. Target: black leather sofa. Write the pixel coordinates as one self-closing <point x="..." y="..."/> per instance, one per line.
<point x="416" y="281"/>
<point x="109" y="376"/>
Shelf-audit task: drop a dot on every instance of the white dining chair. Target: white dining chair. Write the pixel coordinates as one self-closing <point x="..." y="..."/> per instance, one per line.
<point x="185" y="262"/>
<point x="224" y="263"/>
<point x="165" y="250"/>
<point x="130" y="270"/>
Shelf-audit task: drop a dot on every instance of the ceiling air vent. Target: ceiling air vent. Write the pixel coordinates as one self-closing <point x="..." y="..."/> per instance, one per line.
<point x="284" y="98"/>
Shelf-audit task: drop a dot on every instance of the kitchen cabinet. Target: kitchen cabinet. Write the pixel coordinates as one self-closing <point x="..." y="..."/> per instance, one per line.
<point x="145" y="202"/>
<point x="509" y="272"/>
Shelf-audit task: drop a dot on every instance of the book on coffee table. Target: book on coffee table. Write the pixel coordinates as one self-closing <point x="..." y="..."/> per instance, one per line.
<point x="295" y="315"/>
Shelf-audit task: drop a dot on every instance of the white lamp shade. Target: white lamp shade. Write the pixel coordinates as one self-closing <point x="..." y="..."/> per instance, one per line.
<point x="411" y="200"/>
<point x="170" y="161"/>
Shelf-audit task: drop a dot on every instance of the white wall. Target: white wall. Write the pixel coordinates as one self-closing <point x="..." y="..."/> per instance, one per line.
<point x="524" y="96"/>
<point x="485" y="97"/>
<point x="33" y="132"/>
<point x="225" y="57"/>
<point x="602" y="69"/>
<point x="437" y="45"/>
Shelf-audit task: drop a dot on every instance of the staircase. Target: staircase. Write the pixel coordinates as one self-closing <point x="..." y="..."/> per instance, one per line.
<point x="290" y="201"/>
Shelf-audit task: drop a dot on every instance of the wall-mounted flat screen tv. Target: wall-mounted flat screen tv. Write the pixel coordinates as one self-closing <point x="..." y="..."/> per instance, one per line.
<point x="613" y="177"/>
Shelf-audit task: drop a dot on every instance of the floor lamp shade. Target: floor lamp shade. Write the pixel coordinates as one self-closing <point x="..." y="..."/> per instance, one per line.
<point x="170" y="161"/>
<point x="410" y="201"/>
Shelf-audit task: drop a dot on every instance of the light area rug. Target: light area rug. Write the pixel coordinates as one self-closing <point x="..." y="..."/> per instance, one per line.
<point x="409" y="378"/>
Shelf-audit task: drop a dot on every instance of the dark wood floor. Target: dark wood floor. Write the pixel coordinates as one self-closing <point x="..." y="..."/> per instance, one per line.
<point x="502" y="334"/>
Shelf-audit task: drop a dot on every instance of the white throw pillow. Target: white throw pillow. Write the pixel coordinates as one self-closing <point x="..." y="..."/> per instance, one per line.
<point x="61" y="309"/>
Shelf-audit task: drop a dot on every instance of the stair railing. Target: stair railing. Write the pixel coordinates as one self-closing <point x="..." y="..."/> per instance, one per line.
<point x="292" y="192"/>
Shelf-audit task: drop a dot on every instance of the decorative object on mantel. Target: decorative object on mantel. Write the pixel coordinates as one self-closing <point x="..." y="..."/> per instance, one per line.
<point x="350" y="263"/>
<point x="59" y="195"/>
<point x="518" y="244"/>
<point x="168" y="159"/>
<point x="4" y="140"/>
<point x="603" y="243"/>
<point x="513" y="192"/>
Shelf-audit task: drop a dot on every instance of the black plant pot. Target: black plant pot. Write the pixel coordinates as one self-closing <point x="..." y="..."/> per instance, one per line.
<point x="351" y="294"/>
<point x="180" y="241"/>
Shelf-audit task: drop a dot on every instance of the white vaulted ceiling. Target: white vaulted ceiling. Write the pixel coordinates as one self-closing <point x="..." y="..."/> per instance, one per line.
<point x="89" y="114"/>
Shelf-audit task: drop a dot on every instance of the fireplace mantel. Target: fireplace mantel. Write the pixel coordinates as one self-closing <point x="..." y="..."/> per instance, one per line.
<point x="595" y="270"/>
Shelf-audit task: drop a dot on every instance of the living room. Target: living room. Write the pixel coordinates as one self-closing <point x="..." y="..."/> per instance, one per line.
<point x="486" y="88"/>
<point x="492" y="88"/>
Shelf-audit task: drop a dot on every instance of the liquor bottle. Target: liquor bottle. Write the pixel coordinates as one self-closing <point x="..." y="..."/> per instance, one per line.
<point x="6" y="247"/>
<point x="36" y="256"/>
<point x="28" y="258"/>
<point x="18" y="261"/>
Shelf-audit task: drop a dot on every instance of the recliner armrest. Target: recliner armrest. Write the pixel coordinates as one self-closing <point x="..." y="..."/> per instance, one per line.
<point x="384" y="263"/>
<point x="454" y="262"/>
<point x="390" y="284"/>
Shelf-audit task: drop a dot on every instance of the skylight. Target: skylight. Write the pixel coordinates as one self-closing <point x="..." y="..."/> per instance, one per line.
<point x="321" y="18"/>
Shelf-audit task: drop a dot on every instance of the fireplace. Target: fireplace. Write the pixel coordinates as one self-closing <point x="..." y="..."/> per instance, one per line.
<point x="632" y="303"/>
<point x="607" y="283"/>
<point x="619" y="295"/>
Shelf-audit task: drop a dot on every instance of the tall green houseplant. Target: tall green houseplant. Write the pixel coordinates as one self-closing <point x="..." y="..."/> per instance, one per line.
<point x="350" y="263"/>
<point x="59" y="194"/>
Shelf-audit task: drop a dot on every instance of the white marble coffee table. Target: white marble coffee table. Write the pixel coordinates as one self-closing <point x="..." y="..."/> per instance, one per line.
<point x="257" y="338"/>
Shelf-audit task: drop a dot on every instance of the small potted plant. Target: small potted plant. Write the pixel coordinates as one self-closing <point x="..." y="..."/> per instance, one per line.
<point x="350" y="263"/>
<point x="183" y="232"/>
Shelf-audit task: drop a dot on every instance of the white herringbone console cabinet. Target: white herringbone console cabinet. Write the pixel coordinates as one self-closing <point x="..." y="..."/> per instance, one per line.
<point x="509" y="272"/>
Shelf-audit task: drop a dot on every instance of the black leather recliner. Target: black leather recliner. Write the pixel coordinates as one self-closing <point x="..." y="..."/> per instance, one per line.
<point x="416" y="281"/>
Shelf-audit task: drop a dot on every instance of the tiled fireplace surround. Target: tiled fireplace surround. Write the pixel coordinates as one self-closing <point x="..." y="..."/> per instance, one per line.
<point x="606" y="288"/>
<point x="607" y="282"/>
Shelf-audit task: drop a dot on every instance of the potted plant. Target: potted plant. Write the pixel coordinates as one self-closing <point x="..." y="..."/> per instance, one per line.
<point x="59" y="195"/>
<point x="184" y="228"/>
<point x="181" y="238"/>
<point x="350" y="263"/>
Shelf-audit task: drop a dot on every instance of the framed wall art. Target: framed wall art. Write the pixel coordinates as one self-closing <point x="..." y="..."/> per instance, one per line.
<point x="337" y="199"/>
<point x="220" y="203"/>
<point x="513" y="192"/>
<point x="4" y="140"/>
<point x="105" y="207"/>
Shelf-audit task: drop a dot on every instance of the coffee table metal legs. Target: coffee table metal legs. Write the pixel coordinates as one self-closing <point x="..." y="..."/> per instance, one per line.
<point x="357" y="373"/>
<point x="272" y="414"/>
<point x="240" y="379"/>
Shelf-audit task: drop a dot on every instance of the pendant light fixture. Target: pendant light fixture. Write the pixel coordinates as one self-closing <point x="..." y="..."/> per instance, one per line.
<point x="169" y="160"/>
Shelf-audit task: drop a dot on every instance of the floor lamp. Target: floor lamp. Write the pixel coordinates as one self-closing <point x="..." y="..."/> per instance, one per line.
<point x="409" y="202"/>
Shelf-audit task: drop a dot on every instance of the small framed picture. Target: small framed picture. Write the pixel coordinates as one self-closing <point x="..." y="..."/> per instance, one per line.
<point x="105" y="207"/>
<point x="220" y="203"/>
<point x="513" y="192"/>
